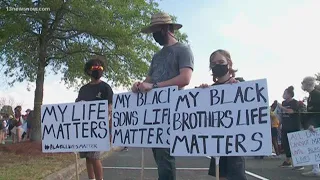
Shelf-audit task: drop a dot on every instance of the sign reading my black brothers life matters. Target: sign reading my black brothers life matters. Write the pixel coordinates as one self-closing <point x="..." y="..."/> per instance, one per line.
<point x="223" y="120"/>
<point x="142" y="119"/>
<point x="75" y="127"/>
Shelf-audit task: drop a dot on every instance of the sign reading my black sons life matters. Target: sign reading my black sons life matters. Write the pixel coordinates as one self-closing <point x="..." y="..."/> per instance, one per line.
<point x="142" y="119"/>
<point x="222" y="120"/>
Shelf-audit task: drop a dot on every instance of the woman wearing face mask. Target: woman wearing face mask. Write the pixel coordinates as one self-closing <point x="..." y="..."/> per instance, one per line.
<point x="95" y="90"/>
<point x="231" y="167"/>
<point x="290" y="122"/>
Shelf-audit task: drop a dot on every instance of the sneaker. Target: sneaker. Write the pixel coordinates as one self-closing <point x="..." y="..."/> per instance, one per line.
<point x="311" y="173"/>
<point x="125" y="149"/>
<point x="286" y="164"/>
<point x="298" y="168"/>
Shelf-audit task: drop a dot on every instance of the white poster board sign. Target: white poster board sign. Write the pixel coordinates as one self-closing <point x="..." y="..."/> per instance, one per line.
<point x="305" y="147"/>
<point x="75" y="127"/>
<point x="142" y="119"/>
<point x="223" y="120"/>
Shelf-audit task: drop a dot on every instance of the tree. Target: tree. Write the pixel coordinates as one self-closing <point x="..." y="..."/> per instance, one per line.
<point x="65" y="34"/>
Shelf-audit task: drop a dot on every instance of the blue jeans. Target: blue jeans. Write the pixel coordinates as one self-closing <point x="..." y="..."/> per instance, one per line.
<point x="166" y="164"/>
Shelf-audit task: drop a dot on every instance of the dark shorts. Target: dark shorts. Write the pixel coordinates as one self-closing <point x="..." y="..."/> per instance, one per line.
<point x="91" y="155"/>
<point x="231" y="167"/>
<point x="274" y="132"/>
<point x="28" y="125"/>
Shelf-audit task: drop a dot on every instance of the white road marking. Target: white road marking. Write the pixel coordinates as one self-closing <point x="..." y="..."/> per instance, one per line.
<point x="249" y="173"/>
<point x="154" y="168"/>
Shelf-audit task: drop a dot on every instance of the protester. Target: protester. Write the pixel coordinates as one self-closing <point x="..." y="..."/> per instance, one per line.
<point x="93" y="91"/>
<point x="231" y="167"/>
<point x="274" y="130"/>
<point x="3" y="128"/>
<point x="290" y="123"/>
<point x="18" y="121"/>
<point x="313" y="115"/>
<point x="171" y="66"/>
<point x="29" y="119"/>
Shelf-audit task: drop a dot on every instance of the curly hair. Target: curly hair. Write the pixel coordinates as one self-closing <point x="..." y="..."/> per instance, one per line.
<point x="95" y="61"/>
<point x="227" y="55"/>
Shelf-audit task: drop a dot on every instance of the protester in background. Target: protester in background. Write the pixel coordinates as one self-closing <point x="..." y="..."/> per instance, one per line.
<point x="274" y="129"/>
<point x="18" y="121"/>
<point x="290" y="123"/>
<point x="313" y="115"/>
<point x="93" y="91"/>
<point x="3" y="128"/>
<point x="231" y="167"/>
<point x="171" y="66"/>
<point x="29" y="119"/>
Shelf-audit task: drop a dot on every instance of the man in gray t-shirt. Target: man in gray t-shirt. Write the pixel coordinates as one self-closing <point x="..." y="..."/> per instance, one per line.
<point x="171" y="66"/>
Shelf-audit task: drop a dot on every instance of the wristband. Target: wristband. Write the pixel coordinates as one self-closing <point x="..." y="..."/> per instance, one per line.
<point x="155" y="85"/>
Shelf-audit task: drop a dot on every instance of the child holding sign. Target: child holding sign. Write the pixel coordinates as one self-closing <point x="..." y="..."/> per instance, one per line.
<point x="93" y="91"/>
<point x="231" y="167"/>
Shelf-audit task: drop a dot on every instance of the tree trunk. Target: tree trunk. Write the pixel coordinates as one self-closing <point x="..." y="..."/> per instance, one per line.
<point x="38" y="99"/>
<point x="38" y="93"/>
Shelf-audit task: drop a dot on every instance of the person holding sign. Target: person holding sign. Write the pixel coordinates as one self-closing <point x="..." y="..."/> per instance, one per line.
<point x="290" y="122"/>
<point x="313" y="117"/>
<point x="171" y="66"/>
<point x="94" y="91"/>
<point x="231" y="167"/>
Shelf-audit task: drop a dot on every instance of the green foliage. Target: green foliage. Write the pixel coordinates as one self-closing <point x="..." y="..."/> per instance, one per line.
<point x="72" y="32"/>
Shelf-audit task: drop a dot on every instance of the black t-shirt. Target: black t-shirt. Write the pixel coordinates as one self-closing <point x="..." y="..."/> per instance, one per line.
<point x="291" y="121"/>
<point x="95" y="92"/>
<point x="314" y="101"/>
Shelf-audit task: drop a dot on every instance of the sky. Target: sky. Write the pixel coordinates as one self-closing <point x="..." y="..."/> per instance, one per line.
<point x="276" y="40"/>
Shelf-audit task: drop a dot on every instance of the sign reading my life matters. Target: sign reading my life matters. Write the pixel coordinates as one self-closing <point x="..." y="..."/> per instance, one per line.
<point x="305" y="147"/>
<point x="75" y="127"/>
<point x="142" y="119"/>
<point x="222" y="120"/>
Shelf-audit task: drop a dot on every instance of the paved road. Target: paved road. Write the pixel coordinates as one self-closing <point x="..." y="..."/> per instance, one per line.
<point x="193" y="168"/>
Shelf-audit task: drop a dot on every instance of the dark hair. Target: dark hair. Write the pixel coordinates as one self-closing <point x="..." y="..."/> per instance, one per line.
<point x="274" y="105"/>
<point x="290" y="91"/>
<point x="96" y="61"/>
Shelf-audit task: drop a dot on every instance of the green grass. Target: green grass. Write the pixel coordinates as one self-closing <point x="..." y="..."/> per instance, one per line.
<point x="24" y="167"/>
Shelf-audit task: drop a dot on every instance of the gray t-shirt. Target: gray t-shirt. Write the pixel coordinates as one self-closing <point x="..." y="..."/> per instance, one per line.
<point x="167" y="63"/>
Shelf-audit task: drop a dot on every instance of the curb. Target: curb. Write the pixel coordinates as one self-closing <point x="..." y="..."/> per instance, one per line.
<point x="69" y="172"/>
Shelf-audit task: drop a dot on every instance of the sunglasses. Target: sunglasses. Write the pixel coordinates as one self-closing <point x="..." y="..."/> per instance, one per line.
<point x="96" y="68"/>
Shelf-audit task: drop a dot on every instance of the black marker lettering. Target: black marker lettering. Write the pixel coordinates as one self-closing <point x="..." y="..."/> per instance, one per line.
<point x="62" y="112"/>
<point x="259" y="94"/>
<point x="84" y="129"/>
<point x="254" y="138"/>
<point x="49" y="112"/>
<point x="73" y="113"/>
<point x="104" y="107"/>
<point x="91" y="110"/>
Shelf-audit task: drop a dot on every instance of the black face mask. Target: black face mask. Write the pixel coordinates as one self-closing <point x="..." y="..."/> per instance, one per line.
<point x="220" y="70"/>
<point x="160" y="38"/>
<point x="96" y="74"/>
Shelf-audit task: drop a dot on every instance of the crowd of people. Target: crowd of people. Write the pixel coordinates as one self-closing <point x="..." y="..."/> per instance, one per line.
<point x="14" y="124"/>
<point x="291" y="116"/>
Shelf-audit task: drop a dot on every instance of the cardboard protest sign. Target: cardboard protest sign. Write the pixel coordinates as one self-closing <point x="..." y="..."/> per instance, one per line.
<point x="224" y="120"/>
<point x="70" y="127"/>
<point x="305" y="147"/>
<point x="142" y="119"/>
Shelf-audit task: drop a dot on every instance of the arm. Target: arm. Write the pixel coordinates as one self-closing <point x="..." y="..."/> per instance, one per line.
<point x="186" y="64"/>
<point x="109" y="97"/>
<point x="182" y="80"/>
<point x="148" y="79"/>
